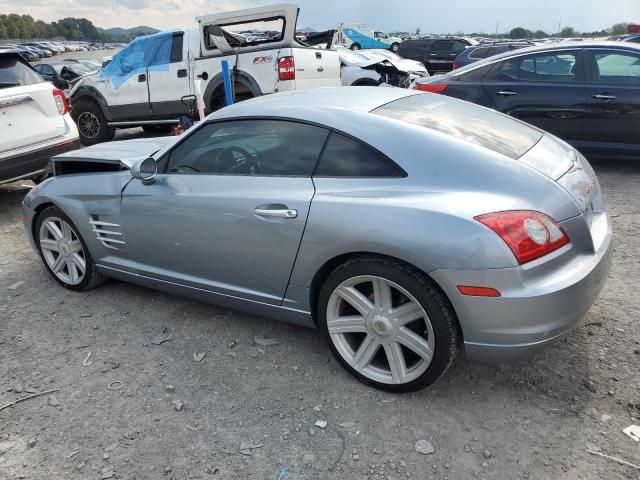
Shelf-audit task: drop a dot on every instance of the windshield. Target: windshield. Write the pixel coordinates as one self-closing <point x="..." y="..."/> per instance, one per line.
<point x="464" y="121"/>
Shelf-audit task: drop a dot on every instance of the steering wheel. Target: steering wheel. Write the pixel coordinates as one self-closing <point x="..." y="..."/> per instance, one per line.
<point x="248" y="163"/>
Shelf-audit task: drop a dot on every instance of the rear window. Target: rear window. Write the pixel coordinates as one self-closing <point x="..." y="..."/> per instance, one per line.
<point x="462" y="120"/>
<point x="13" y="72"/>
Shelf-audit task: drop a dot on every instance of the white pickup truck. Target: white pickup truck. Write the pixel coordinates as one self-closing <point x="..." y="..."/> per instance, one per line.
<point x="152" y="81"/>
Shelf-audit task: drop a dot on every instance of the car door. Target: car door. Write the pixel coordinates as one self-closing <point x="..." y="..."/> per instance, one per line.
<point x="228" y="210"/>
<point x="438" y="57"/>
<point x="125" y="78"/>
<point x="545" y="89"/>
<point x="613" y="98"/>
<point x="168" y="76"/>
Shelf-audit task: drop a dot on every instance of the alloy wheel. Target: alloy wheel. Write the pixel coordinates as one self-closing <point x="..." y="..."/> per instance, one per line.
<point x="88" y="124"/>
<point x="62" y="250"/>
<point x="380" y="329"/>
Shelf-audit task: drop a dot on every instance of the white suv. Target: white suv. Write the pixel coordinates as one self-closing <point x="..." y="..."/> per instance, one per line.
<point x="34" y="121"/>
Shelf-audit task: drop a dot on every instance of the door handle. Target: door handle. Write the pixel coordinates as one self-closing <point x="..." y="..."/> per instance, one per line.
<point x="182" y="73"/>
<point x="506" y="93"/>
<point x="604" y="96"/>
<point x="318" y="54"/>
<point x="279" y="212"/>
<point x="142" y="77"/>
<point x="321" y="69"/>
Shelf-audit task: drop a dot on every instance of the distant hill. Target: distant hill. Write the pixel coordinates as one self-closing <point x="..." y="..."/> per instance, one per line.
<point x="123" y="32"/>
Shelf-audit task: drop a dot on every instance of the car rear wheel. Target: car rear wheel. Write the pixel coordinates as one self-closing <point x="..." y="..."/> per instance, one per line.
<point x="92" y="124"/>
<point x="388" y="324"/>
<point x="355" y="46"/>
<point x="64" y="252"/>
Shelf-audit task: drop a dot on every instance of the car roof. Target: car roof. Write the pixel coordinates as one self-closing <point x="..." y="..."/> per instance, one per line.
<point x="328" y="99"/>
<point x="548" y="47"/>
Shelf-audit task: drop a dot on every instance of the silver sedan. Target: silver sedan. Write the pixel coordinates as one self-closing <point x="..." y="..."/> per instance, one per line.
<point x="405" y="226"/>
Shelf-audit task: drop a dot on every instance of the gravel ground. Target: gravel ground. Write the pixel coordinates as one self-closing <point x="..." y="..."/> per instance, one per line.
<point x="132" y="401"/>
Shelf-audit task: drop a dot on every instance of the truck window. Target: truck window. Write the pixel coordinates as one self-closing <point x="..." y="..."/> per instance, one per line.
<point x="176" y="47"/>
<point x="242" y="34"/>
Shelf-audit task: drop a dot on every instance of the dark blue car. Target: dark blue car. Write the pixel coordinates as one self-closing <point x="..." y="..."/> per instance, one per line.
<point x="486" y="50"/>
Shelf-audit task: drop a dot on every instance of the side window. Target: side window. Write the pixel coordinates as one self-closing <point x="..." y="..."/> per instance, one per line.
<point x="162" y="51"/>
<point x="442" y="46"/>
<point x="480" y="52"/>
<point x="345" y="157"/>
<point x="176" y="47"/>
<point x="618" y="68"/>
<point x="545" y="67"/>
<point x="249" y="147"/>
<point x="458" y="46"/>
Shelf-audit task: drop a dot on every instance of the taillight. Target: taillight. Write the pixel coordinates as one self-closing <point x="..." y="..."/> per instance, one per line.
<point x="286" y="68"/>
<point x="456" y="65"/>
<point x="431" y="87"/>
<point x="529" y="235"/>
<point x="61" y="101"/>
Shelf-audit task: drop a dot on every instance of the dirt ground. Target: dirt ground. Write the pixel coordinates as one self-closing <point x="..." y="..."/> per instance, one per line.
<point x="128" y="405"/>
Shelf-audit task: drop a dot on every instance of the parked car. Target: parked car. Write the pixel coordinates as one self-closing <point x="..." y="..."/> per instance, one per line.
<point x="413" y="67"/>
<point x="435" y="53"/>
<point x="587" y="93"/>
<point x="382" y="216"/>
<point x="46" y="52"/>
<point x="138" y="89"/>
<point x="356" y="69"/>
<point x="485" y="50"/>
<point x="40" y="53"/>
<point x="27" y="54"/>
<point x="34" y="121"/>
<point x="62" y="75"/>
<point x="356" y="36"/>
<point x="629" y="37"/>
<point x="90" y="64"/>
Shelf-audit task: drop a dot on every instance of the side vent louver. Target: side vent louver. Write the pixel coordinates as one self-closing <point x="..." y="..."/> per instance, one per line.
<point x="108" y="233"/>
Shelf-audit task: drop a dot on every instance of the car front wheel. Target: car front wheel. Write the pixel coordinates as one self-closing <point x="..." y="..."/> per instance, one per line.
<point x="388" y="324"/>
<point x="92" y="124"/>
<point x="64" y="252"/>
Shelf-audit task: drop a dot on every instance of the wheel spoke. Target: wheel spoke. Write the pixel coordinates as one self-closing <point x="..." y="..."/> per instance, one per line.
<point x="54" y="230"/>
<point x="79" y="263"/>
<point x="397" y="365"/>
<point x="66" y="232"/>
<point x="73" y="271"/>
<point x="348" y="324"/>
<point x="58" y="264"/>
<point x="382" y="294"/>
<point x="407" y="312"/>
<point x="414" y="342"/>
<point x="367" y="350"/>
<point x="48" y="244"/>
<point x="356" y="299"/>
<point x="75" y="246"/>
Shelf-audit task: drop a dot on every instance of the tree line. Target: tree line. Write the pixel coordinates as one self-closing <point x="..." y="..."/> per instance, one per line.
<point x="25" y="27"/>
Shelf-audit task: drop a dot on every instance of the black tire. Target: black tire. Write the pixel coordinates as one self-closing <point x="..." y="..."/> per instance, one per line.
<point x="355" y="46"/>
<point x="92" y="124"/>
<point x="365" y="82"/>
<point x="92" y="278"/>
<point x="159" y="129"/>
<point x="395" y="47"/>
<point x="40" y="178"/>
<point x="438" y="308"/>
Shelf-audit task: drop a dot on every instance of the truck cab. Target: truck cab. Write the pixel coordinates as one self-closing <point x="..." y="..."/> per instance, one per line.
<point x="357" y="36"/>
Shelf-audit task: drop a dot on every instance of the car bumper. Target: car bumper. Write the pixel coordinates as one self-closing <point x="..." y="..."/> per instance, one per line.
<point x="23" y="165"/>
<point x="535" y="308"/>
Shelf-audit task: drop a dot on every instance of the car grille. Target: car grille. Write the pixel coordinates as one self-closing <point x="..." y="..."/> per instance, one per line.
<point x="108" y="233"/>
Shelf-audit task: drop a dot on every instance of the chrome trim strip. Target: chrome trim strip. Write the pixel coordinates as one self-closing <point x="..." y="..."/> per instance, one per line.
<point x="105" y="224"/>
<point x="15" y="100"/>
<point x="111" y="240"/>
<point x="108" y="232"/>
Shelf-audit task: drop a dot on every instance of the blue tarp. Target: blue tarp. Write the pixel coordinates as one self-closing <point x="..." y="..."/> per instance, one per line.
<point x="150" y="53"/>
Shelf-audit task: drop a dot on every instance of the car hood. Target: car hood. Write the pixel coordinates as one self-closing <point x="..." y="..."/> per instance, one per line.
<point x="124" y="152"/>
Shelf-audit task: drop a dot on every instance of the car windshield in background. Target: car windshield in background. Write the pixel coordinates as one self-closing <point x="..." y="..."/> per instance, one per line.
<point x="480" y="126"/>
<point x="13" y="72"/>
<point x="248" y="33"/>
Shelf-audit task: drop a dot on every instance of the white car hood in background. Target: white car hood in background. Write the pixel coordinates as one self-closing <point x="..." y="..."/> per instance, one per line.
<point x="123" y="151"/>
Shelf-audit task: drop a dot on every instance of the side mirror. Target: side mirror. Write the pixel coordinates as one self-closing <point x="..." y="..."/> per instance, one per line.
<point x="145" y="170"/>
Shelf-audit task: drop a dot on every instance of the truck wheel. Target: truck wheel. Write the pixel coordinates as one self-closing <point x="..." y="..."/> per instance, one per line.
<point x="395" y="47"/>
<point x="92" y="124"/>
<point x="355" y="46"/>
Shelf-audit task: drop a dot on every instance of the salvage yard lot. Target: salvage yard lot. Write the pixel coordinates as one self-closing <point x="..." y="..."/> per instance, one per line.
<point x="136" y="399"/>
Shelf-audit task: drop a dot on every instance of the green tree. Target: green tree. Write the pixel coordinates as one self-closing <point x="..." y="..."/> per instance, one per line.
<point x="3" y="27"/>
<point x="540" y="34"/>
<point x="618" y="29"/>
<point x="568" y="32"/>
<point x="520" y="32"/>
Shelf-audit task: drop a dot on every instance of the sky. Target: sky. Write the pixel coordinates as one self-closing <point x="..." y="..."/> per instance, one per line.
<point x="431" y="16"/>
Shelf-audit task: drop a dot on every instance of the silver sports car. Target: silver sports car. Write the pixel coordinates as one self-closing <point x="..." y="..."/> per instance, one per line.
<point x="405" y="226"/>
